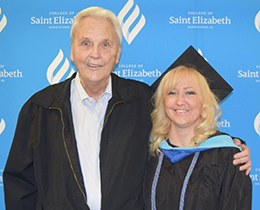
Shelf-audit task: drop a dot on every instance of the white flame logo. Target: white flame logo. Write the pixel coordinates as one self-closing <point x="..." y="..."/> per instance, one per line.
<point x="257" y="21"/>
<point x="257" y="124"/>
<point x="129" y="36"/>
<point x="3" y="21"/>
<point x="2" y="126"/>
<point x="61" y="72"/>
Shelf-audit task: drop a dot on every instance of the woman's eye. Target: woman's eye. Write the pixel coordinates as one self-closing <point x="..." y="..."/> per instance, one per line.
<point x="191" y="93"/>
<point x="171" y="93"/>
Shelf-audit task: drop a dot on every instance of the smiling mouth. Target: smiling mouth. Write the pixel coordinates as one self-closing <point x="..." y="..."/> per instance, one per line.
<point x="181" y="110"/>
<point x="94" y="65"/>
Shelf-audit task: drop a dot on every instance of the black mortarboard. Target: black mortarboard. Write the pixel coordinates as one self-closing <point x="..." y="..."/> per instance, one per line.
<point x="192" y="58"/>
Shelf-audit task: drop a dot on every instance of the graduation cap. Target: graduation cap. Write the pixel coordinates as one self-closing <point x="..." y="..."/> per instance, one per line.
<point x="191" y="58"/>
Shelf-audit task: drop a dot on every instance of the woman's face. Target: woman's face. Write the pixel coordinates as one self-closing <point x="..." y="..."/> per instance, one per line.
<point x="183" y="105"/>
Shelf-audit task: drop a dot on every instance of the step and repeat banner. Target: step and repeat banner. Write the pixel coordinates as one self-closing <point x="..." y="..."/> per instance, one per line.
<point x="35" y="52"/>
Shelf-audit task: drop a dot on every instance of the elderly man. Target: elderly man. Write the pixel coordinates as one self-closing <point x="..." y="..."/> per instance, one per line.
<point x="82" y="144"/>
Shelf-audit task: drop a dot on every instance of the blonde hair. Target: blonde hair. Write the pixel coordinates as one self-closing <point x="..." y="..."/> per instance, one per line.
<point x="98" y="12"/>
<point x="209" y="114"/>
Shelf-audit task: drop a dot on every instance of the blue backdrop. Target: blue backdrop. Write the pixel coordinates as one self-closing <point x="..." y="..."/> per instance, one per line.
<point x="35" y="51"/>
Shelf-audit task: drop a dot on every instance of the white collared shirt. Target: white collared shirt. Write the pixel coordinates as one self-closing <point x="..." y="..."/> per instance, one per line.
<point x="88" y="117"/>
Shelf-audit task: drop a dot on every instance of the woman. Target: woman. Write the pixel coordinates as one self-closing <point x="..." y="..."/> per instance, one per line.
<point x="190" y="166"/>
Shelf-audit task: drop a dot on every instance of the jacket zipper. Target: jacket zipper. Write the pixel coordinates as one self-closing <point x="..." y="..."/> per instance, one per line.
<point x="67" y="152"/>
<point x="65" y="145"/>
<point x="105" y="122"/>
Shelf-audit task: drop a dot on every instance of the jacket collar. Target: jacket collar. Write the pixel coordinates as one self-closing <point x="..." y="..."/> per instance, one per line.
<point x="122" y="90"/>
<point x="54" y="97"/>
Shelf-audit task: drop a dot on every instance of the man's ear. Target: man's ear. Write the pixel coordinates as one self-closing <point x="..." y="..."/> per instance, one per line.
<point x="71" y="53"/>
<point x="118" y="54"/>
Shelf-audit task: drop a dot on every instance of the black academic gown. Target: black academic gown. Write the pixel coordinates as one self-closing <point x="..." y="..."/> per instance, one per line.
<point x="215" y="182"/>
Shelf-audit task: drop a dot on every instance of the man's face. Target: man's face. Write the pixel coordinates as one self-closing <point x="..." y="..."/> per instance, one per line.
<point x="95" y="50"/>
